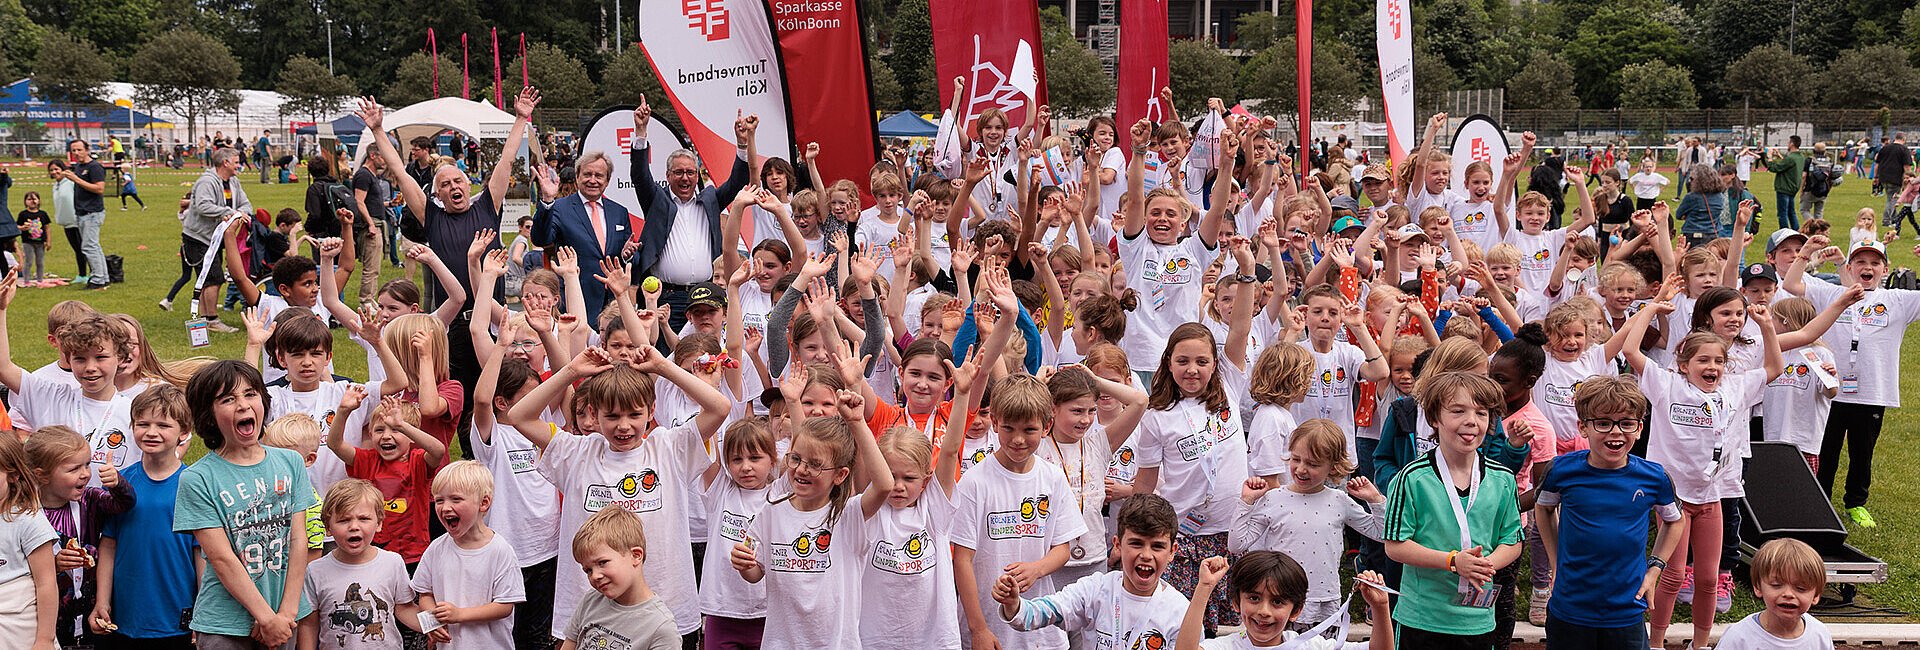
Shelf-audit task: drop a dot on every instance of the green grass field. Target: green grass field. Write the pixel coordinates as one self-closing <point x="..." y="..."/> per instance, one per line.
<point x="149" y="241"/>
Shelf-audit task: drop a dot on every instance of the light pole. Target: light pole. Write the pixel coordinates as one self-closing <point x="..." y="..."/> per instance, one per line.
<point x="329" y="46"/>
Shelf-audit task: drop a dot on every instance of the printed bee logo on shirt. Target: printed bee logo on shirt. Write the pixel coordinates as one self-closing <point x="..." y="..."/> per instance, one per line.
<point x="396" y="506"/>
<point x="1178" y="270"/>
<point x="1692" y="415"/>
<point x="1793" y="376"/>
<point x="633" y="493"/>
<point x="1874" y="316"/>
<point x="914" y="556"/>
<point x="1029" y="520"/>
<point x="1560" y="395"/>
<point x="807" y="553"/>
<point x="326" y="421"/>
<point x="1474" y="221"/>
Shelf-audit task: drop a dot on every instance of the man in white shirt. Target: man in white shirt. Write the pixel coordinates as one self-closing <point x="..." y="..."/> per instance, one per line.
<point x="682" y="237"/>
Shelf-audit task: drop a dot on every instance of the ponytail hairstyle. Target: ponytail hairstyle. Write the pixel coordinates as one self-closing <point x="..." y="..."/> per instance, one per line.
<point x="1070" y="384"/>
<point x="146" y="362"/>
<point x="23" y="493"/>
<point x="1712" y="299"/>
<point x="1527" y="349"/>
<point x="51" y="446"/>
<point x="1166" y="393"/>
<point x="1104" y="315"/>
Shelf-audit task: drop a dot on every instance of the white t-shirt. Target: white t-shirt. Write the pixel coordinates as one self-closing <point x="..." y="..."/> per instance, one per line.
<point x="1880" y="321"/>
<point x="885" y="236"/>
<point x="1239" y="641"/>
<point x="1553" y="392"/>
<point x="1538" y="253"/>
<point x="1202" y="458"/>
<point x="909" y="565"/>
<point x="1008" y="517"/>
<point x="356" y="603"/>
<point x="1168" y="281"/>
<point x="974" y="451"/>
<point x="1689" y="425"/>
<point x="106" y="424"/>
<point x="1742" y="166"/>
<point x="320" y="403"/>
<point x="1795" y="406"/>
<point x="1330" y="389"/>
<point x="19" y="536"/>
<point x="766" y="226"/>
<point x="1110" y="194"/>
<point x="1473" y="221"/>
<point x="270" y="306"/>
<point x="1748" y="634"/>
<point x="1309" y="528"/>
<point x="997" y="194"/>
<point x="472" y="577"/>
<point x="1084" y="464"/>
<point x="730" y="509"/>
<point x="646" y="481"/>
<point x="1420" y="199"/>
<point x="51" y="372"/>
<point x="813" y="572"/>
<point x="1269" y="440"/>
<point x="526" y="508"/>
<point x="1647" y="186"/>
<point x="1106" y="615"/>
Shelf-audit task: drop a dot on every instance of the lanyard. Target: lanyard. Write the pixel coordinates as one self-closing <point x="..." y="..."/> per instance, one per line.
<point x="1080" y="485"/>
<point x="931" y="416"/>
<point x="1339" y="622"/>
<point x="1203" y="429"/>
<point x="1453" y="499"/>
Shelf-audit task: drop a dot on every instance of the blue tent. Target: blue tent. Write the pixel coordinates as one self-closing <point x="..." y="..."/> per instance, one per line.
<point x="346" y="129"/>
<point x="905" y="124"/>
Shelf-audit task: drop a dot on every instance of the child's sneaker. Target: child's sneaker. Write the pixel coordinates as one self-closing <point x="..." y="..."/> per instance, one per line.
<point x="1686" y="588"/>
<point x="1723" y="594"/>
<point x="1537" y="610"/>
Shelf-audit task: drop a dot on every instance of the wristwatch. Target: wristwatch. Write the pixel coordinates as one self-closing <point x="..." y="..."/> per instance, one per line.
<point x="1246" y="279"/>
<point x="1656" y="563"/>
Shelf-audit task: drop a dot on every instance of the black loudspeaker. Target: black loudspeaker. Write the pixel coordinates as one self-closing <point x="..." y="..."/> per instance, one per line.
<point x="1785" y="500"/>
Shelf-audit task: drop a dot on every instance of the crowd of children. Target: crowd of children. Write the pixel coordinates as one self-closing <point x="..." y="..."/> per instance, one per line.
<point x="1041" y="398"/>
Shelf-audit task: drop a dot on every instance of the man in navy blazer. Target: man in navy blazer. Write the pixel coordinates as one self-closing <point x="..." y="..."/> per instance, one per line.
<point x="574" y="219"/>
<point x="681" y="238"/>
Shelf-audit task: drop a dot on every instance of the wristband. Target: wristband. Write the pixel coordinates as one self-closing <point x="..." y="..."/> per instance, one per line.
<point x="1450" y="556"/>
<point x="1656" y="563"/>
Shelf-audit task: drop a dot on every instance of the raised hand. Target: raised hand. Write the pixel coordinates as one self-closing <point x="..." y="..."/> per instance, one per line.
<point x="743" y="127"/>
<point x="524" y="104"/>
<point x="812" y="151"/>
<point x="1254" y="488"/>
<point x="481" y="240"/>
<point x="494" y="265"/>
<point x="641" y="114"/>
<point x="614" y="274"/>
<point x="371" y="113"/>
<point x="258" y="328"/>
<point x="352" y="398"/>
<point x="861" y="266"/>
<point x="566" y="262"/>
<point x="1212" y="570"/>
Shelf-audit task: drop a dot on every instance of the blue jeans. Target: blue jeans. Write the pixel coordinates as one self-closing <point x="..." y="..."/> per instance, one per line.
<point x="1562" y="635"/>
<point x="90" y="247"/>
<point x="1789" y="219"/>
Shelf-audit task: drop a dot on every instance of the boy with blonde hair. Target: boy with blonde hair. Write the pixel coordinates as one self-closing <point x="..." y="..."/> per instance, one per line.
<point x="300" y="433"/>
<point x="612" y="549"/>
<point x="1787" y="578"/>
<point x="62" y="313"/>
<point x="469" y="578"/>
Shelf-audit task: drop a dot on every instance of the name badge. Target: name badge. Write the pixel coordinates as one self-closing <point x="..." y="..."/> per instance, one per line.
<point x="197" y="335"/>
<point x="1480" y="597"/>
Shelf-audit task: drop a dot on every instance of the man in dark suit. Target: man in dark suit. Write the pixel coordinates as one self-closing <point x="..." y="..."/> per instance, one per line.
<point x="595" y="227"/>
<point x="682" y="234"/>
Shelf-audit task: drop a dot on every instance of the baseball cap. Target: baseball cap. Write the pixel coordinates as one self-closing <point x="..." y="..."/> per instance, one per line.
<point x="1774" y="240"/>
<point x="1346" y="222"/>
<point x="1377" y="173"/>
<point x="707" y="294"/>
<point x="1868" y="245"/>
<point x="1758" y="271"/>
<point x="1413" y="230"/>
<point x="1344" y="203"/>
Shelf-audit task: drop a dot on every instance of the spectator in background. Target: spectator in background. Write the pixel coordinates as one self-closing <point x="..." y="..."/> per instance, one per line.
<point x="89" y="208"/>
<point x="1822" y="171"/>
<point x="263" y="154"/>
<point x="9" y="230"/>
<point x="326" y="196"/>
<point x="371" y="192"/>
<point x="63" y="215"/>
<point x="1546" y="179"/>
<point x="1788" y="168"/>
<point x="420" y="161"/>
<point x="216" y="195"/>
<point x="1891" y="165"/>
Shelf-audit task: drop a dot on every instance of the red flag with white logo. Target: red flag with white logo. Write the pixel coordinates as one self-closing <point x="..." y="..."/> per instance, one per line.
<point x="978" y="41"/>
<point x="1143" y="62"/>
<point x="820" y="42"/>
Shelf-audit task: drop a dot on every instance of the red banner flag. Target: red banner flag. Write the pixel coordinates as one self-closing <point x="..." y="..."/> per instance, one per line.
<point x="1143" y="62"/>
<point x="821" y="43"/>
<point x="499" y="98"/>
<point x="433" y="54"/>
<point x="525" y="81"/>
<point x="466" y="70"/>
<point x="978" y="41"/>
<point x="1303" y="73"/>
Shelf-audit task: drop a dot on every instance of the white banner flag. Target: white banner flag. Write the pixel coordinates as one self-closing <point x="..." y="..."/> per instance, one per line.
<point x="1393" y="24"/>
<point x="717" y="59"/>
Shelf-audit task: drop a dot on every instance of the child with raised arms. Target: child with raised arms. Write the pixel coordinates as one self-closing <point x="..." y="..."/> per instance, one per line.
<point x="1081" y="446"/>
<point x="1305" y="519"/>
<point x="1269" y="590"/>
<point x="400" y="462"/>
<point x="93" y="348"/>
<point x="626" y="466"/>
<point x="910" y="530"/>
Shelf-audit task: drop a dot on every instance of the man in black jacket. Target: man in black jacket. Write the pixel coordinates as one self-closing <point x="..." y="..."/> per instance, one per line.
<point x="681" y="237"/>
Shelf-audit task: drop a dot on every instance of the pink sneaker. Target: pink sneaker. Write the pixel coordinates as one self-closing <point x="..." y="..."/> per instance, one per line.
<point x="1686" y="588"/>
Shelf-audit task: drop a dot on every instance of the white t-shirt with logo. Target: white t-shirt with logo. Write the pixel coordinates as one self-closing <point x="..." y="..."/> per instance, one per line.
<point x="1106" y="615"/>
<point x="1795" y="406"/>
<point x="646" y="481"/>
<point x="974" y="451"/>
<point x="50" y="372"/>
<point x="526" y="507"/>
<point x="1880" y="321"/>
<point x="1008" y="517"/>
<point x="813" y="572"/>
<point x="1473" y="221"/>
<point x="908" y="564"/>
<point x="269" y="306"/>
<point x="1330" y="389"/>
<point x="885" y="236"/>
<point x="1553" y="392"/>
<point x="1084" y="465"/>
<point x="1202" y="456"/>
<point x="1420" y="199"/>
<point x="106" y="424"/>
<point x="1689" y="424"/>
<point x="1538" y="253"/>
<point x="1168" y="281"/>
<point x="1269" y="440"/>
<point x="730" y="510"/>
<point x="321" y="403"/>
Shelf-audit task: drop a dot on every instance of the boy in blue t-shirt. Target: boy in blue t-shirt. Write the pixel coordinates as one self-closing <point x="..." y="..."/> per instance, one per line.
<point x="138" y="548"/>
<point x="1602" y="497"/>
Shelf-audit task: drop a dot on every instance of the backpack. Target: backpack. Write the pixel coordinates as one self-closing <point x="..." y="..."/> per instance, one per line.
<point x="1819" y="181"/>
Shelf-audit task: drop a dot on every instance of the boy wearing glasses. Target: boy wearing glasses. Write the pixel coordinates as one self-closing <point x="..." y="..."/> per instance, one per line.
<point x="1601" y="498"/>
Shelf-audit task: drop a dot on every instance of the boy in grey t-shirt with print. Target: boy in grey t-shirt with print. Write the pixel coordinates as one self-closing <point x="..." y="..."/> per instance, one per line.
<point x="621" y="611"/>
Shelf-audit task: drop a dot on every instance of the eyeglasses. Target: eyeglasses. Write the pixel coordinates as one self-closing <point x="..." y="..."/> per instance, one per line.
<point x="812" y="466"/>
<point x="522" y="345"/>
<point x="1627" y="425"/>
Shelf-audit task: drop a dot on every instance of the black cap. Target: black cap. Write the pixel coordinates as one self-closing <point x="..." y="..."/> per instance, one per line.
<point x="707" y="294"/>
<point x="1758" y="271"/>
